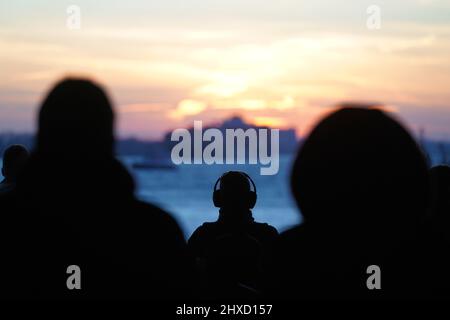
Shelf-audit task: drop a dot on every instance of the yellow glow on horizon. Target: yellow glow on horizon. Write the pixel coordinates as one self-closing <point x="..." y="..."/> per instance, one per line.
<point x="272" y="122"/>
<point x="276" y="74"/>
<point x="188" y="107"/>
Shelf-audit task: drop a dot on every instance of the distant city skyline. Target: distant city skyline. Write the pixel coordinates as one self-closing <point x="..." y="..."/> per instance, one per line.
<point x="279" y="63"/>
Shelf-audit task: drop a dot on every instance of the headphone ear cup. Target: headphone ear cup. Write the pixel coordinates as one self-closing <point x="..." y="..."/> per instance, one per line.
<point x="217" y="199"/>
<point x="251" y="199"/>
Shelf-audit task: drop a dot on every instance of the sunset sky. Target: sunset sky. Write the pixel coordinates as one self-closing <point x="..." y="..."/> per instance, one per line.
<point x="282" y="63"/>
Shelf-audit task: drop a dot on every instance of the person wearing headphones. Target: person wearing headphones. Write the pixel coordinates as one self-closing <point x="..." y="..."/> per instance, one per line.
<point x="233" y="252"/>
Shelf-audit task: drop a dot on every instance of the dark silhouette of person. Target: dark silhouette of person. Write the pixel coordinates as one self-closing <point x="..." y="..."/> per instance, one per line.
<point x="440" y="196"/>
<point x="14" y="160"/>
<point x="75" y="205"/>
<point x="234" y="251"/>
<point x="435" y="236"/>
<point x="360" y="181"/>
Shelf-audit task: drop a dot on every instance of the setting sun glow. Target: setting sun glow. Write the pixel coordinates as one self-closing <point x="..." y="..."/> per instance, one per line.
<point x="172" y="62"/>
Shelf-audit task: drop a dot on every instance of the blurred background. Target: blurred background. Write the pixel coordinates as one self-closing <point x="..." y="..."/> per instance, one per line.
<point x="279" y="64"/>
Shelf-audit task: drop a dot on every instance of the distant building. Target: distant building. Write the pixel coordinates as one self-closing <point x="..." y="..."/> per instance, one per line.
<point x="288" y="139"/>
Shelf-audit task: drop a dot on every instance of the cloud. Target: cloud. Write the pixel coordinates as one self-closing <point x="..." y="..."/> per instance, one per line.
<point x="188" y="107"/>
<point x="142" y="108"/>
<point x="287" y="60"/>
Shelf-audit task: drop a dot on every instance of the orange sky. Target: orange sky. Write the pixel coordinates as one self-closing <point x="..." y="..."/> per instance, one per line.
<point x="283" y="63"/>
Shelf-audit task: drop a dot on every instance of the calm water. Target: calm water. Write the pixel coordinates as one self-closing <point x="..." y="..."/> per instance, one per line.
<point x="186" y="192"/>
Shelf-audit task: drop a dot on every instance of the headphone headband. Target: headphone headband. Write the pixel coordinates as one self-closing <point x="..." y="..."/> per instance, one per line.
<point x="239" y="172"/>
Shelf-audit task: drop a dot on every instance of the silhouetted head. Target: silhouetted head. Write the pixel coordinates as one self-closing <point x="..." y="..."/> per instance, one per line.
<point x="235" y="191"/>
<point x="440" y="192"/>
<point x="14" y="160"/>
<point x="76" y="118"/>
<point x="361" y="170"/>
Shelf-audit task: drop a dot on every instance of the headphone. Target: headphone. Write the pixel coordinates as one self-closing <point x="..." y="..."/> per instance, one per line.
<point x="251" y="194"/>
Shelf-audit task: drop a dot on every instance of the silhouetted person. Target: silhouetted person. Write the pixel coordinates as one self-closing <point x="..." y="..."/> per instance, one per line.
<point x="440" y="196"/>
<point x="75" y="205"/>
<point x="360" y="181"/>
<point x="234" y="267"/>
<point x="14" y="160"/>
<point x="235" y="249"/>
<point x="436" y="233"/>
